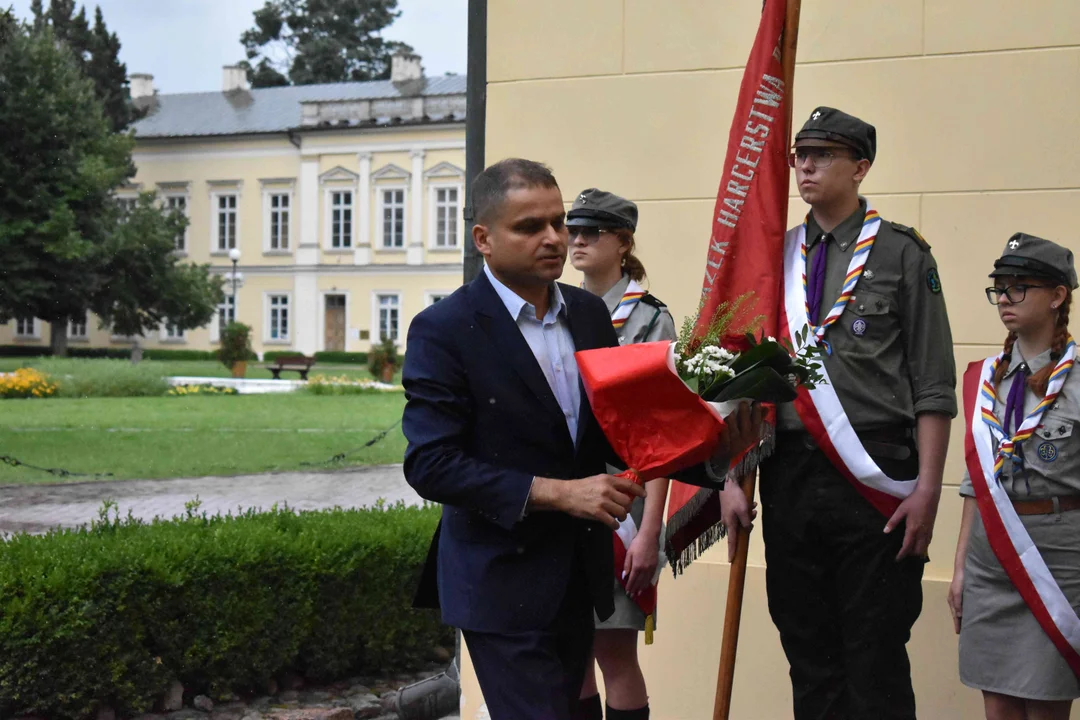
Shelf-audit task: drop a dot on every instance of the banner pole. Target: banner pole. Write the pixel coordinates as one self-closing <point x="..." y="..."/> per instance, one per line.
<point x="729" y="644"/>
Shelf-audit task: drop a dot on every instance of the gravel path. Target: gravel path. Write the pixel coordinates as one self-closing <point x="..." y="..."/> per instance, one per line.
<point x="37" y="508"/>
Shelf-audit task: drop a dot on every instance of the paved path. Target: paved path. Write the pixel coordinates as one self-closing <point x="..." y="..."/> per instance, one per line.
<point x="37" y="508"/>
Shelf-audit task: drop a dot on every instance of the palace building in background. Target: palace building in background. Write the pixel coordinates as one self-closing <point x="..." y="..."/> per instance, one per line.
<point x="345" y="202"/>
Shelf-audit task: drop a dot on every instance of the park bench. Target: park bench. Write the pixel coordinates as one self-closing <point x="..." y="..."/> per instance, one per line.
<point x="297" y="363"/>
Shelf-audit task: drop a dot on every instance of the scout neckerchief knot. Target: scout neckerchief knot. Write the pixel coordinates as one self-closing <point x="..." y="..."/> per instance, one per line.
<point x="630" y="299"/>
<point x="988" y="396"/>
<point x="871" y="223"/>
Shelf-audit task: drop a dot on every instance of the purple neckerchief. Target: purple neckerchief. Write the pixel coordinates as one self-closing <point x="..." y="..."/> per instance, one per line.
<point x="1014" y="404"/>
<point x="815" y="284"/>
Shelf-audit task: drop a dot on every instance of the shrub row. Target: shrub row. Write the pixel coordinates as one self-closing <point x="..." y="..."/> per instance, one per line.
<point x="343" y="358"/>
<point x="111" y="615"/>
<point x="111" y="353"/>
<point x="82" y="377"/>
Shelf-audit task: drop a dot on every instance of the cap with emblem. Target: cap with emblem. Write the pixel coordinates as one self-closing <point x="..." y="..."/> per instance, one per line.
<point x="827" y="123"/>
<point x="1029" y="255"/>
<point x="601" y="209"/>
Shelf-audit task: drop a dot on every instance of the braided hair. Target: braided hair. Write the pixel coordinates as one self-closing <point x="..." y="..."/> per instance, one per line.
<point x="1038" y="381"/>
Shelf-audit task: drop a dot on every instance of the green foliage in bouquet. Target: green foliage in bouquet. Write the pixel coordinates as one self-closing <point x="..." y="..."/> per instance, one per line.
<point x="767" y="371"/>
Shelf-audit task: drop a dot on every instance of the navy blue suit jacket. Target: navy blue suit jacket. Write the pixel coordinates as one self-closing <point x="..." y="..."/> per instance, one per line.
<point x="481" y="422"/>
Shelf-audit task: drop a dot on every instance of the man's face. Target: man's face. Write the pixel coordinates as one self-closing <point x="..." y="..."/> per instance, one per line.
<point x="827" y="171"/>
<point x="524" y="243"/>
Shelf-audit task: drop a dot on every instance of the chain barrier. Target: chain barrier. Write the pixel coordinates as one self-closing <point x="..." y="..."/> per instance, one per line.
<point x="61" y="472"/>
<point x="342" y="455"/>
<point x="58" y="472"/>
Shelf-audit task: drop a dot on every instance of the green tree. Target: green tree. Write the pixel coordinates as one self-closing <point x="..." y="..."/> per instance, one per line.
<point x="144" y="284"/>
<point x="97" y="52"/>
<point x="59" y="163"/>
<point x="66" y="247"/>
<point x="301" y="42"/>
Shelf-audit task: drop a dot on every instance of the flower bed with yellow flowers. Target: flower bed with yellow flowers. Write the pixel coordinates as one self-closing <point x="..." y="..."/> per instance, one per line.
<point x="185" y="390"/>
<point x="26" y="383"/>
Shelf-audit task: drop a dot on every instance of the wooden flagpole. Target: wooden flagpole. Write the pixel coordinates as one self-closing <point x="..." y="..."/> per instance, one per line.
<point x="737" y="576"/>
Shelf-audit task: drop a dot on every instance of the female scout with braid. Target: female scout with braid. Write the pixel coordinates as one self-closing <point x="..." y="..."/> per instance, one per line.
<point x="602" y="229"/>
<point x="1014" y="606"/>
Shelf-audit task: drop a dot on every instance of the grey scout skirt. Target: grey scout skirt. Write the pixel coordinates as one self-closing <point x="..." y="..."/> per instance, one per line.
<point x="1003" y="649"/>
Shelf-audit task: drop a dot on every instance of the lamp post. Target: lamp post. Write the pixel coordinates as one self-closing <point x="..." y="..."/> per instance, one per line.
<point x="234" y="255"/>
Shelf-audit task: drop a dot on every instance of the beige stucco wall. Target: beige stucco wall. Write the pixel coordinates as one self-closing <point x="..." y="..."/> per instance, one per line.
<point x="977" y="113"/>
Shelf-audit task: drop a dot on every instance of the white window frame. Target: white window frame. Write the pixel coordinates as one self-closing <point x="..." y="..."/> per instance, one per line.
<point x="172" y="334"/>
<point x="381" y="229"/>
<point x="328" y="203"/>
<point x="35" y="329"/>
<point x="126" y="202"/>
<point x="74" y="324"/>
<point x="430" y="295"/>
<point x="216" y="192"/>
<point x="268" y="212"/>
<point x="376" y="315"/>
<point x="170" y="197"/>
<point x="215" y="322"/>
<point x="433" y="215"/>
<point x="268" y="317"/>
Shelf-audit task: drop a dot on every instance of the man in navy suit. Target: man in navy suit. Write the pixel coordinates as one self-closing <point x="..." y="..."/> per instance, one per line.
<point x="500" y="432"/>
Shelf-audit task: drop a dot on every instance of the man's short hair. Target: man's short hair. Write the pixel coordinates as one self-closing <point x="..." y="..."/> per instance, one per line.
<point x="490" y="187"/>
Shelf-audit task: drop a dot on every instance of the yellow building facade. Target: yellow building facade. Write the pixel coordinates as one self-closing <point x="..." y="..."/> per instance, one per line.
<point x="344" y="202"/>
<point x="977" y="113"/>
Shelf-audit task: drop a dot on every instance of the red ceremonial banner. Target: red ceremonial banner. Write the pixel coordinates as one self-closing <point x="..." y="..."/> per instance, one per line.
<point x="746" y="244"/>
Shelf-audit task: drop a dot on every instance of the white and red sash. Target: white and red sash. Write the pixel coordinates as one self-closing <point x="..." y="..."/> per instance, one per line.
<point x="820" y="409"/>
<point x="1008" y="537"/>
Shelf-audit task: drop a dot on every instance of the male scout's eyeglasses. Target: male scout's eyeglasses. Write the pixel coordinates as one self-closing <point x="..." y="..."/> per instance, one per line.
<point x="1015" y="293"/>
<point x="588" y="234"/>
<point x="820" y="157"/>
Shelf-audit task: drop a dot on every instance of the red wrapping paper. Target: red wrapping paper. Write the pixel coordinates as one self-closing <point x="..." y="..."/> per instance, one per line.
<point x="654" y="422"/>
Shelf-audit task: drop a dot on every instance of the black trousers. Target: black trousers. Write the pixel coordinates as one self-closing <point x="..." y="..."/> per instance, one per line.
<point x="842" y="603"/>
<point x="537" y="675"/>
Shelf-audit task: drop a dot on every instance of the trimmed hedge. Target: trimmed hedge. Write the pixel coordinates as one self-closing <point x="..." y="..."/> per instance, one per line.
<point x="25" y="351"/>
<point x="343" y="358"/>
<point x="110" y="353"/>
<point x="167" y="354"/>
<point x="111" y="615"/>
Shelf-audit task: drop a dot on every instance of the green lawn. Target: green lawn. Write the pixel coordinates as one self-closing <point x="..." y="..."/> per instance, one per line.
<point x="208" y="368"/>
<point x="161" y="437"/>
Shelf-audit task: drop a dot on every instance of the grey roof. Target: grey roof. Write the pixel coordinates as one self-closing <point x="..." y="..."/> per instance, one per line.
<point x="269" y="110"/>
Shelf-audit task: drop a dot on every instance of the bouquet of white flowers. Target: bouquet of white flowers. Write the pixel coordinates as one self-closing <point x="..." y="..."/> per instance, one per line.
<point x="761" y="368"/>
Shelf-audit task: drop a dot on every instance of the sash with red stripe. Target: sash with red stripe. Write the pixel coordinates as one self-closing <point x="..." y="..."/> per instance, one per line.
<point x="1006" y="533"/>
<point x="820" y="409"/>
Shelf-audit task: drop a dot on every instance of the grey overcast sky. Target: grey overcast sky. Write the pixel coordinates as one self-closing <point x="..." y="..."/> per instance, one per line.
<point x="184" y="43"/>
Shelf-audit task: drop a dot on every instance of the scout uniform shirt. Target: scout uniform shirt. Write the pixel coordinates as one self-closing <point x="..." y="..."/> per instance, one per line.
<point x="1051" y="465"/>
<point x="649" y="322"/>
<point x="892" y="353"/>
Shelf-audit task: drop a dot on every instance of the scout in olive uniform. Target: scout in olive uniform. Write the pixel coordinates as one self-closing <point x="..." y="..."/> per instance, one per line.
<point x="843" y="593"/>
<point x="1003" y="649"/>
<point x="601" y="227"/>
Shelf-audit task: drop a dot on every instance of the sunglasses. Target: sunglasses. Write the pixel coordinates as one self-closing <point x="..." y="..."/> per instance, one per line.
<point x="588" y="234"/>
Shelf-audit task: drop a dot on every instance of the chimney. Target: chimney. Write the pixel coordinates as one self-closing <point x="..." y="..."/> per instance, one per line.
<point x="142" y="85"/>
<point x="405" y="67"/>
<point x="233" y="78"/>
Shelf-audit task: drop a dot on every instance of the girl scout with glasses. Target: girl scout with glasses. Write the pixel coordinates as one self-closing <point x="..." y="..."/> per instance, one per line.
<point x="1016" y="577"/>
<point x="601" y="228"/>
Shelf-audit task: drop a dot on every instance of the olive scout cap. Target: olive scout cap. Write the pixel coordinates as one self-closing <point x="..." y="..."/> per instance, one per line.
<point x="827" y="123"/>
<point x="1029" y="255"/>
<point x="600" y="209"/>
